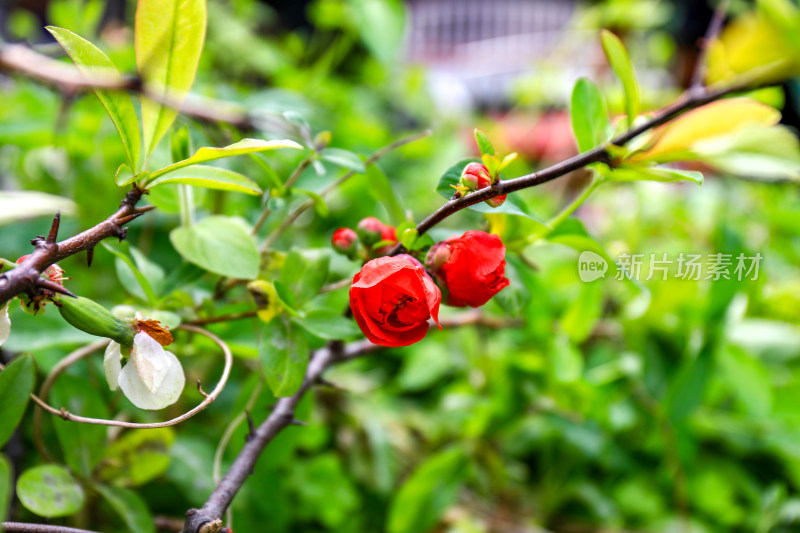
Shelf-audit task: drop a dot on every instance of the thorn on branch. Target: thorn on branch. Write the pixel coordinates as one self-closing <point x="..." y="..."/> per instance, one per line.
<point x="43" y="283"/>
<point x="89" y="256"/>
<point x="126" y="219"/>
<point x="251" y="428"/>
<point x="145" y="209"/>
<point x="52" y="237"/>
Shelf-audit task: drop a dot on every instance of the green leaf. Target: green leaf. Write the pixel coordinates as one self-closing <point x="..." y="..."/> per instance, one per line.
<point x="567" y="361"/>
<point x="22" y="205"/>
<point x="327" y="324"/>
<point x="83" y="444"/>
<point x="245" y="146"/>
<point x="428" y="492"/>
<point x="129" y="506"/>
<point x="484" y="144"/>
<point x="381" y="189"/>
<point x="169" y="37"/>
<point x="662" y="174"/>
<point x="284" y="353"/>
<point x="129" y="272"/>
<point x="748" y="379"/>
<point x="137" y="457"/>
<point x="583" y="312"/>
<point x="16" y="382"/>
<point x="124" y="176"/>
<point x="50" y="490"/>
<point x="380" y="24"/>
<point x="408" y="238"/>
<point x="589" y="115"/>
<point x="304" y="272"/>
<point x="620" y="61"/>
<point x="512" y="206"/>
<point x="5" y="488"/>
<point x="92" y="61"/>
<point x="572" y="233"/>
<point x="218" y="244"/>
<point x="210" y="178"/>
<point x="286" y="298"/>
<point x="343" y="158"/>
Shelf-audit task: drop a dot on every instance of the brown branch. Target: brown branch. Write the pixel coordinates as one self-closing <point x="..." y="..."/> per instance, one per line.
<point x="690" y="100"/>
<point x="23" y="527"/>
<point x="26" y="276"/>
<point x="69" y="80"/>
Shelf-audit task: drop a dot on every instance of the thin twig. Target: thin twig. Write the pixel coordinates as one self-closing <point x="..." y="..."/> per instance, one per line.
<point x="44" y="390"/>
<point x="700" y="67"/>
<point x="210" y="397"/>
<point x="302" y="208"/>
<point x="288" y="185"/>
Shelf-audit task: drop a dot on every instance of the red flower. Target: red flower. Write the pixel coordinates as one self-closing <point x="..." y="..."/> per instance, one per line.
<point x="470" y="268"/>
<point x="344" y="241"/>
<point x="392" y="299"/>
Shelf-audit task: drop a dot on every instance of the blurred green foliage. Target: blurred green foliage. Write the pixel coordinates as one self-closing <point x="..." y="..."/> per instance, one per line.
<point x="653" y="406"/>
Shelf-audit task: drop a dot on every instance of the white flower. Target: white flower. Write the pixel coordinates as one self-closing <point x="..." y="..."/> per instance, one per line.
<point x="5" y="323"/>
<point x="153" y="377"/>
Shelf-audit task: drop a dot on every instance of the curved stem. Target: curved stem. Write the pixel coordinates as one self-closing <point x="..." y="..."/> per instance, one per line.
<point x="208" y="397"/>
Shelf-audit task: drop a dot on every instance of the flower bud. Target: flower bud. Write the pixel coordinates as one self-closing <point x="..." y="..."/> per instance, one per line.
<point x="437" y="256"/>
<point x="345" y="241"/>
<point x="369" y="230"/>
<point x="474" y="176"/>
<point x="91" y="317"/>
<point x="497" y="201"/>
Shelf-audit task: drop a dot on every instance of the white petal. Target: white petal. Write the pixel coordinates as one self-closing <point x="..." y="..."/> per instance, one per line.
<point x="150" y="360"/>
<point x="167" y="393"/>
<point x="5" y="323"/>
<point x="112" y="364"/>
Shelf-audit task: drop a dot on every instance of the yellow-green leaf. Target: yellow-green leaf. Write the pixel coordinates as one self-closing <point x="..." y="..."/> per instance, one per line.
<point x="92" y="61"/>
<point x="245" y="146"/>
<point x="620" y="61"/>
<point x="210" y="178"/>
<point x="674" y="140"/>
<point x="169" y="37"/>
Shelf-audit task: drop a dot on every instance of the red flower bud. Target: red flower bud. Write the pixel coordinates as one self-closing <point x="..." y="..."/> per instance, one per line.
<point x="473" y="175"/>
<point x="370" y="230"/>
<point x="497" y="201"/>
<point x="392" y="299"/>
<point x="474" y="270"/>
<point x="476" y="176"/>
<point x="344" y="241"/>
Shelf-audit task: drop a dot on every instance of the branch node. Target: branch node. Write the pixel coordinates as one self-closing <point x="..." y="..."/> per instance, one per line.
<point x="63" y="413"/>
<point x="251" y="428"/>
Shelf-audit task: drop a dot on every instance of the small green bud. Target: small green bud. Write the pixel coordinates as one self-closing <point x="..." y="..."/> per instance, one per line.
<point x="91" y="317"/>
